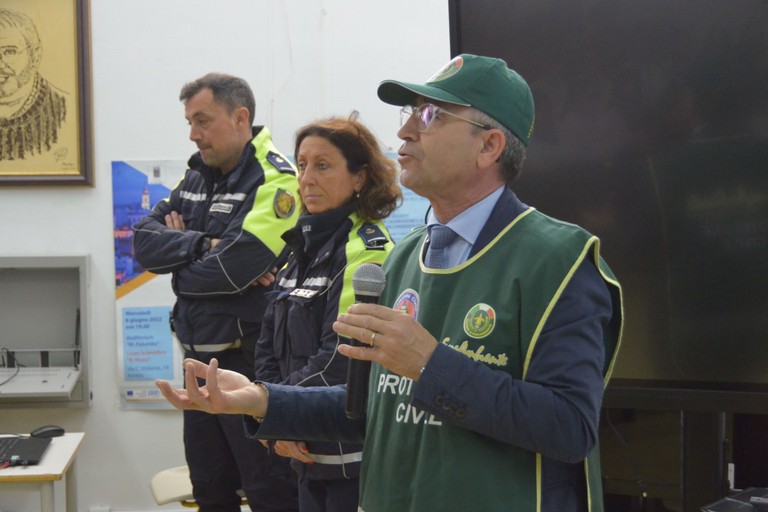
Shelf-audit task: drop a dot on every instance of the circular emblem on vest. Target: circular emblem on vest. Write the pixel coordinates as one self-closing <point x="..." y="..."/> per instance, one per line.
<point x="480" y="321"/>
<point x="408" y="302"/>
<point x="284" y="203"/>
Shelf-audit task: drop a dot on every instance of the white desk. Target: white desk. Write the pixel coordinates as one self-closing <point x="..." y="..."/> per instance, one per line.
<point x="57" y="462"/>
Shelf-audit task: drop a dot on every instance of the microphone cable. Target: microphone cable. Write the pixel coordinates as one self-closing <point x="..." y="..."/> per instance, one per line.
<point x="630" y="458"/>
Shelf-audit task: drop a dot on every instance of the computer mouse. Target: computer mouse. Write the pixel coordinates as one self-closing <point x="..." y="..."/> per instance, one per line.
<point x="48" y="431"/>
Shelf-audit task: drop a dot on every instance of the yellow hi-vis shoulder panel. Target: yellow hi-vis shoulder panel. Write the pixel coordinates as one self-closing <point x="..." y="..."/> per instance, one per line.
<point x="364" y="246"/>
<point x="275" y="208"/>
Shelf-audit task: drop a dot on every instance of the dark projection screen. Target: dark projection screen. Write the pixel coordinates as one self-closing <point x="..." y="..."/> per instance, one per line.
<point x="652" y="132"/>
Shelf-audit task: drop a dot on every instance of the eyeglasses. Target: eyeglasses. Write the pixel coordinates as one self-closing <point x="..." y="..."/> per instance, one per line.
<point x="11" y="52"/>
<point x="428" y="112"/>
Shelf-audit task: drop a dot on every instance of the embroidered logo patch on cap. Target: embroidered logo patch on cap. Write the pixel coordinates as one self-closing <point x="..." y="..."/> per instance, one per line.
<point x="408" y="302"/>
<point x="284" y="204"/>
<point x="448" y="70"/>
<point x="480" y="321"/>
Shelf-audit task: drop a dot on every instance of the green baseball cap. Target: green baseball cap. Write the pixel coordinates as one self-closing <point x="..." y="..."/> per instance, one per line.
<point x="484" y="83"/>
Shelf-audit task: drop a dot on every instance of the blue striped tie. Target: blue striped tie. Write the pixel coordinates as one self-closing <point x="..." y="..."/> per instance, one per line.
<point x="440" y="237"/>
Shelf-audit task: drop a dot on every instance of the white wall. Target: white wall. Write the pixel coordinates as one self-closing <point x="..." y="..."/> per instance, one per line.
<point x="304" y="59"/>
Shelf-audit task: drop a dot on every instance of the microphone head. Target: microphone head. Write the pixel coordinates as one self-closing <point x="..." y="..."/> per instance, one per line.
<point x="368" y="279"/>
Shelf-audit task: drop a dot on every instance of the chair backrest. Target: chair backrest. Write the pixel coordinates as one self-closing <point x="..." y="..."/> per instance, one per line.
<point x="172" y="485"/>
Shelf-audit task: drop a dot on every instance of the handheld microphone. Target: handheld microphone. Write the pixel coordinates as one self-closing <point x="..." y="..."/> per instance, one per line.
<point x="368" y="282"/>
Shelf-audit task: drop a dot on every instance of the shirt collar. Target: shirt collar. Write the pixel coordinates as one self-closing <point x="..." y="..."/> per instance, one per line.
<point x="470" y="222"/>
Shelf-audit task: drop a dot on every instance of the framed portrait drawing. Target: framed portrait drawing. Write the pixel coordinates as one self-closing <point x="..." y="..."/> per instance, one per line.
<point x="45" y="96"/>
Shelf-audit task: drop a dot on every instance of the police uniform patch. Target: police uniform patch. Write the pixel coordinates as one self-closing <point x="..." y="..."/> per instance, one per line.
<point x="280" y="163"/>
<point x="408" y="302"/>
<point x="480" y="321"/>
<point x="284" y="203"/>
<point x="373" y="237"/>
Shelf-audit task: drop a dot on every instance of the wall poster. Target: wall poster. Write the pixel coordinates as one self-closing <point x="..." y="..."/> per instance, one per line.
<point x="146" y="349"/>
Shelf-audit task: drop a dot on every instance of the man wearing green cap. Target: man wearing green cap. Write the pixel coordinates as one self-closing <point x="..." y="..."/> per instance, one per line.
<point x="494" y="337"/>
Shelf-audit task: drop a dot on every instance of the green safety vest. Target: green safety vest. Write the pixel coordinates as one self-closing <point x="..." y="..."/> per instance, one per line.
<point x="492" y="308"/>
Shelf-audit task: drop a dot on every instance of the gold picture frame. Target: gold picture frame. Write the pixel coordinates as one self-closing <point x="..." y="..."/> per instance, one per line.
<point x="45" y="93"/>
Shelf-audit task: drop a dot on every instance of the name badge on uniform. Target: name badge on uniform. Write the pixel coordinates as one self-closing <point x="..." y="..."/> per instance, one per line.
<point x="302" y="292"/>
<point x="221" y="208"/>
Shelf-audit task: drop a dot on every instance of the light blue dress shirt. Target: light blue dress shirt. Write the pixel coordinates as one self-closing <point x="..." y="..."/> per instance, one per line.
<point x="467" y="225"/>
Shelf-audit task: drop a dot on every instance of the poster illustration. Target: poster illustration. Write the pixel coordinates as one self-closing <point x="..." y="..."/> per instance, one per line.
<point x="146" y="348"/>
